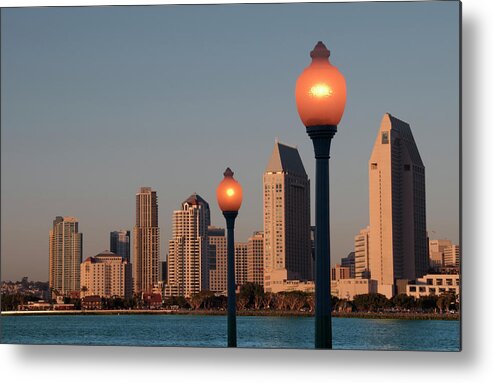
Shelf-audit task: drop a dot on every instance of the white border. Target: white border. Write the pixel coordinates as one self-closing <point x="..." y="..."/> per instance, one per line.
<point x="475" y="363"/>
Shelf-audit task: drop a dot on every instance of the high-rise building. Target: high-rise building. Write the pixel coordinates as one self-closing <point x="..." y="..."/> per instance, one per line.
<point x="362" y="254"/>
<point x="451" y="256"/>
<point x="287" y="246"/>
<point x="65" y="255"/>
<point x="255" y="258"/>
<point x="218" y="259"/>
<point x="436" y="248"/>
<point x="349" y="262"/>
<point x="398" y="241"/>
<point x="188" y="257"/>
<point x="241" y="263"/>
<point x="146" y="241"/>
<point x="120" y="243"/>
<point x="107" y="275"/>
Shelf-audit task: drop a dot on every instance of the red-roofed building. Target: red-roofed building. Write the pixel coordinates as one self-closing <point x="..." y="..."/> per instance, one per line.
<point x="153" y="300"/>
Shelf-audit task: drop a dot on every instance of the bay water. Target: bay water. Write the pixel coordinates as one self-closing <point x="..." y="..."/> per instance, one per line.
<point x="210" y="331"/>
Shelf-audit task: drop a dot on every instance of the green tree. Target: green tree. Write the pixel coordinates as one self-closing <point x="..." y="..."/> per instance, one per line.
<point x="268" y="301"/>
<point x="371" y="302"/>
<point x="10" y="302"/>
<point x="428" y="303"/>
<point x="404" y="302"/>
<point x="444" y="301"/>
<point x="251" y="295"/>
<point x="203" y="300"/>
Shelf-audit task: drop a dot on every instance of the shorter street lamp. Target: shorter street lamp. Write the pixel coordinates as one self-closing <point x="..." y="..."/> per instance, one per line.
<point x="320" y="98"/>
<point x="229" y="196"/>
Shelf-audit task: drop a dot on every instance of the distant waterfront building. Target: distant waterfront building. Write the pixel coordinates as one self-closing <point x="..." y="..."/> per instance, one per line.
<point x="350" y="287"/>
<point x="434" y="284"/>
<point x="294" y="285"/>
<point x="286" y="202"/>
<point x="120" y="243"/>
<point x="436" y="249"/>
<point x="188" y="258"/>
<point x="255" y="258"/>
<point x="146" y="241"/>
<point x="398" y="240"/>
<point x="218" y="262"/>
<point x="65" y="255"/>
<point x="349" y="262"/>
<point x="241" y="264"/>
<point x="451" y="256"/>
<point x="362" y="254"/>
<point x="106" y="275"/>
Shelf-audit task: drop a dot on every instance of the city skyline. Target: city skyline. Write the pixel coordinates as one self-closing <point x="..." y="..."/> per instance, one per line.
<point x="148" y="116"/>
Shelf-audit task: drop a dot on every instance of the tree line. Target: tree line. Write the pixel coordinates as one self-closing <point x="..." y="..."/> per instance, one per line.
<point x="252" y="297"/>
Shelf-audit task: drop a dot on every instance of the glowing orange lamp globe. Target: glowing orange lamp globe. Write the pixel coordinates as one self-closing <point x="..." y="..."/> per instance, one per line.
<point x="229" y="193"/>
<point x="320" y="90"/>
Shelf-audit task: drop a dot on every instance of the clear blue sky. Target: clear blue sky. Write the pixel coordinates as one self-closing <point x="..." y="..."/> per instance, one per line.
<point x="97" y="102"/>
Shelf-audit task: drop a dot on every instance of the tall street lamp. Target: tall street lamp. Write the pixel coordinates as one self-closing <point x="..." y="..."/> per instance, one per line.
<point x="320" y="98"/>
<point x="229" y="196"/>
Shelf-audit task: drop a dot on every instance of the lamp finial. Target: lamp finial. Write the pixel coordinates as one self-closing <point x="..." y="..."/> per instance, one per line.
<point x="320" y="51"/>
<point x="228" y="173"/>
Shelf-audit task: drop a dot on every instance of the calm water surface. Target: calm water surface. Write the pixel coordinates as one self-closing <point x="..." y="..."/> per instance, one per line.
<point x="210" y="331"/>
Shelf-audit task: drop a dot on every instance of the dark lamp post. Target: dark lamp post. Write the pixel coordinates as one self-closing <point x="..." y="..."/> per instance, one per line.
<point x="229" y="196"/>
<point x="320" y="98"/>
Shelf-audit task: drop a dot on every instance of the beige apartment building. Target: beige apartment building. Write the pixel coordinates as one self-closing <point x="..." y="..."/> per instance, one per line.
<point x="188" y="256"/>
<point x="436" y="248"/>
<point x="146" y="241"/>
<point x="65" y="255"/>
<point x="398" y="240"/>
<point x="248" y="260"/>
<point x="362" y="253"/>
<point x="451" y="256"/>
<point x="106" y="275"/>
<point x="255" y="258"/>
<point x="286" y="203"/>
<point x="241" y="263"/>
<point x="218" y="259"/>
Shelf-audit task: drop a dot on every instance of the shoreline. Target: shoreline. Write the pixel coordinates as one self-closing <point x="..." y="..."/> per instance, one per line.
<point x="362" y="315"/>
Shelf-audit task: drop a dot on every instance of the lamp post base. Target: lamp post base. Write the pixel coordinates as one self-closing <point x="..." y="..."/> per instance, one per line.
<point x="321" y="136"/>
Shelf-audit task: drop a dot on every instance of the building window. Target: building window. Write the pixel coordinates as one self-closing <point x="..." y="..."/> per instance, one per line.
<point x="385" y="137"/>
<point x="374" y="166"/>
<point x="407" y="167"/>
